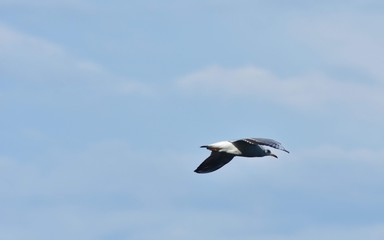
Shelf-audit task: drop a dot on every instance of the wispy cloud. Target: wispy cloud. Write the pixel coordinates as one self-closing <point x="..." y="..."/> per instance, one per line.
<point x="29" y="61"/>
<point x="345" y="39"/>
<point x="333" y="232"/>
<point x="309" y="91"/>
<point x="42" y="3"/>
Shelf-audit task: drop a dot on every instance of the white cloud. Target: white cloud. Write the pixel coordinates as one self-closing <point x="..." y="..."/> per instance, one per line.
<point x="374" y="232"/>
<point x="338" y="171"/>
<point x="31" y="65"/>
<point x="312" y="91"/>
<point x="42" y="3"/>
<point x="11" y="41"/>
<point x="345" y="39"/>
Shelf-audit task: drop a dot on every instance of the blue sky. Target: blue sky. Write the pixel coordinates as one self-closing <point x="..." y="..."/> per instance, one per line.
<point x="104" y="106"/>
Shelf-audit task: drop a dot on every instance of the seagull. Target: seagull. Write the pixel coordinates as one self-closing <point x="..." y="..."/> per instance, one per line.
<point x="223" y="152"/>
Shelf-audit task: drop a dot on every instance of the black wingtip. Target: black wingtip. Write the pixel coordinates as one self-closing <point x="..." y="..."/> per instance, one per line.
<point x="204" y="146"/>
<point x="201" y="170"/>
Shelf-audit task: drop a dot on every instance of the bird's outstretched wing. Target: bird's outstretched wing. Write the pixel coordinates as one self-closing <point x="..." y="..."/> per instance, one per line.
<point x="264" y="141"/>
<point x="215" y="161"/>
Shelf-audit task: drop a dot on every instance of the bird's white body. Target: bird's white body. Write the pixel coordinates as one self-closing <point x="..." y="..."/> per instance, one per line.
<point x="225" y="146"/>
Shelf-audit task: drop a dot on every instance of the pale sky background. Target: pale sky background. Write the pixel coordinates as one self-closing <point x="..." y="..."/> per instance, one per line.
<point x="104" y="105"/>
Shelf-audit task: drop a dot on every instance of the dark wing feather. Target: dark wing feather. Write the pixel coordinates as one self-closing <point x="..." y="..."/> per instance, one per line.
<point x="215" y="161"/>
<point x="266" y="142"/>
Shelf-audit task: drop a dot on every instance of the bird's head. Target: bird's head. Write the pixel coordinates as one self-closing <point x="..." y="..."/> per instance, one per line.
<point x="269" y="153"/>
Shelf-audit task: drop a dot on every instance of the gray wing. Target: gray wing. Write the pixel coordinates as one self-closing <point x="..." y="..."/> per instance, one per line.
<point x="215" y="161"/>
<point x="265" y="142"/>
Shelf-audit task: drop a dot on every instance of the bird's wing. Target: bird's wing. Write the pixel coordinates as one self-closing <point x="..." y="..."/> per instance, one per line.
<point x="215" y="161"/>
<point x="263" y="141"/>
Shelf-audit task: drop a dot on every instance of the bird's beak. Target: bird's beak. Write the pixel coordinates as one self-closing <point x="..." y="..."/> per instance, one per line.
<point x="273" y="155"/>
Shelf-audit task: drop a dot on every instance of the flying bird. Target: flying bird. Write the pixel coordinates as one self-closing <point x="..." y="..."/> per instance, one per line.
<point x="223" y="152"/>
